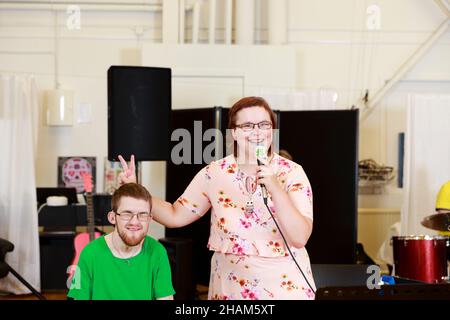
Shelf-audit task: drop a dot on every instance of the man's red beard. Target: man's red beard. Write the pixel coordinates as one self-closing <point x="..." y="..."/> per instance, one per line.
<point x="133" y="240"/>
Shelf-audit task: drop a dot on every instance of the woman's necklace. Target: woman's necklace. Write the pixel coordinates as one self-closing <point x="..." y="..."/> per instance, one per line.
<point x="250" y="188"/>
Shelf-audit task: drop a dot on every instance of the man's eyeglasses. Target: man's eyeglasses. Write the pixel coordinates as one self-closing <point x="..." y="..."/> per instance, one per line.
<point x="248" y="126"/>
<point x="127" y="216"/>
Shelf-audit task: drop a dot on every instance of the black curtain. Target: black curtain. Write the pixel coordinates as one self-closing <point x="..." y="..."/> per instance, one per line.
<point x="325" y="143"/>
<point x="179" y="176"/>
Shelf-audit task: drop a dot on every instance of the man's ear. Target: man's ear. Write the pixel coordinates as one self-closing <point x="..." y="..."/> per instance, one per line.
<point x="112" y="217"/>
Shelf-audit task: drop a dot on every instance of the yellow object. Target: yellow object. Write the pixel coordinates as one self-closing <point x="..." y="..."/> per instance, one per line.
<point x="443" y="197"/>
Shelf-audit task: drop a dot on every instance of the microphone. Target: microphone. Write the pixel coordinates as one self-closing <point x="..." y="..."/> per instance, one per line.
<point x="261" y="153"/>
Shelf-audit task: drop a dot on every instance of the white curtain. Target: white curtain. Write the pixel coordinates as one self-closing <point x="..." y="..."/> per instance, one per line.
<point x="18" y="214"/>
<point x="427" y="158"/>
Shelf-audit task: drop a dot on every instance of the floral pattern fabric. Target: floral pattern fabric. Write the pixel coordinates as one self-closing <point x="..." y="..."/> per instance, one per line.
<point x="250" y="260"/>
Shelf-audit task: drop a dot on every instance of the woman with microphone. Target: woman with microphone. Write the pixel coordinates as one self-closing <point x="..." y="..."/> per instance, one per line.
<point x="261" y="217"/>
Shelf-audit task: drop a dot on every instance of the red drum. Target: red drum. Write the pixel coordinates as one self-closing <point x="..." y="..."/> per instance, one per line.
<point x="422" y="258"/>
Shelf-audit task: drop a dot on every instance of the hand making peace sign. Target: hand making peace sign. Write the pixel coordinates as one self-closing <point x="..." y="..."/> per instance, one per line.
<point x="128" y="174"/>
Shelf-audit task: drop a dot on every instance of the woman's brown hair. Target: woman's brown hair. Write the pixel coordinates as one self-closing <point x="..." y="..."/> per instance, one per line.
<point x="249" y="102"/>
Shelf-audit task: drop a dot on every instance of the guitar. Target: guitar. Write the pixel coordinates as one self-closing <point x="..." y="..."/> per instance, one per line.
<point x="82" y="239"/>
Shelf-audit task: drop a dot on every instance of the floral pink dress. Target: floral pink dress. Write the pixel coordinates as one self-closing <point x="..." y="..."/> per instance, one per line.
<point x="250" y="259"/>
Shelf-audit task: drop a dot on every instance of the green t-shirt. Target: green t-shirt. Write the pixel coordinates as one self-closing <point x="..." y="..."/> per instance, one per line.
<point x="102" y="276"/>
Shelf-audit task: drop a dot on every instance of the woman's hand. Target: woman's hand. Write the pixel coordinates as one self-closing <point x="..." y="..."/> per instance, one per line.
<point x="128" y="174"/>
<point x="267" y="177"/>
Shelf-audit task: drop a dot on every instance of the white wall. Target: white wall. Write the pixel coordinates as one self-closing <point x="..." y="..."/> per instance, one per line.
<point x="333" y="49"/>
<point x="105" y="39"/>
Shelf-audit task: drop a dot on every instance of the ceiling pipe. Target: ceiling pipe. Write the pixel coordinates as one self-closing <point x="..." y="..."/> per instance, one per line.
<point x="196" y="21"/>
<point x="170" y="27"/>
<point x="228" y="21"/>
<point x="245" y="22"/>
<point x="181" y="22"/>
<point x="212" y="22"/>
<point x="62" y="6"/>
<point x="373" y="102"/>
<point x="444" y="7"/>
<point x="277" y="21"/>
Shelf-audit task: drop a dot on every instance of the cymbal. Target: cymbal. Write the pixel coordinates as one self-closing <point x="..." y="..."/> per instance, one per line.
<point x="438" y="221"/>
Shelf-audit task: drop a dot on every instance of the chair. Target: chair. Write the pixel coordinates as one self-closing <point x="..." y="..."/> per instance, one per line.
<point x="361" y="256"/>
<point x="5" y="247"/>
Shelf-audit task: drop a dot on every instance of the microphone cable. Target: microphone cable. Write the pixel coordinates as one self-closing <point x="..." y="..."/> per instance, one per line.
<point x="282" y="235"/>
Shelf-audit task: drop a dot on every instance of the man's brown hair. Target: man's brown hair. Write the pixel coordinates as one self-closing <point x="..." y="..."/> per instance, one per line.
<point x="132" y="190"/>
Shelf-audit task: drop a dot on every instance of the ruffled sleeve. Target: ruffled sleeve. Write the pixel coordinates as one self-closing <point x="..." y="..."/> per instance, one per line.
<point x="299" y="191"/>
<point x="195" y="197"/>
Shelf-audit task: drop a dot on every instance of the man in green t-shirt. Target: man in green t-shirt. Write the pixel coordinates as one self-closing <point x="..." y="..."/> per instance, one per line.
<point x="125" y="264"/>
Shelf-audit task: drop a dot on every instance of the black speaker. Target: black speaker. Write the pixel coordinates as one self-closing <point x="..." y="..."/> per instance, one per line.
<point x="179" y="251"/>
<point x="178" y="177"/>
<point x="102" y="205"/>
<point x="328" y="152"/>
<point x="56" y="255"/>
<point x="59" y="218"/>
<point x="139" y="105"/>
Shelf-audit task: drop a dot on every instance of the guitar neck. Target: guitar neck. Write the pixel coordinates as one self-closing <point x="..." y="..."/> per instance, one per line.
<point x="90" y="216"/>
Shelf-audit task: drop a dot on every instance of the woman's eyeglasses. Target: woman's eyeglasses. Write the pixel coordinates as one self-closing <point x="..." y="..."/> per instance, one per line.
<point x="249" y="126"/>
<point x="127" y="216"/>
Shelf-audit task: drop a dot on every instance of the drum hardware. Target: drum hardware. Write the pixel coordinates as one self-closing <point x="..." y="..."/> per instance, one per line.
<point x="438" y="221"/>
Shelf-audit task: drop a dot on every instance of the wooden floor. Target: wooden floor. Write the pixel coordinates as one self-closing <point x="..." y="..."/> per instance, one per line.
<point x="49" y="295"/>
<point x="202" y="293"/>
